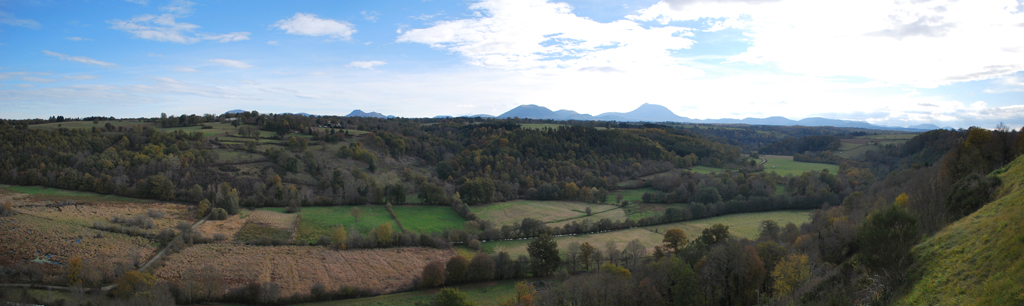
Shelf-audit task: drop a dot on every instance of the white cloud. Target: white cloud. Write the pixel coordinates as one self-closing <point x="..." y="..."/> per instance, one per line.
<point x="272" y="42"/>
<point x="536" y="34"/>
<point x="426" y="17"/>
<point x="165" y="28"/>
<point x="179" y="7"/>
<point x="39" y="80"/>
<point x="231" y="63"/>
<point x="143" y="2"/>
<point x="81" y="77"/>
<point x="185" y="69"/>
<point x="8" y="19"/>
<point x="80" y="59"/>
<point x="366" y="64"/>
<point x="916" y="43"/>
<point x="371" y="15"/>
<point x="310" y="25"/>
<point x="76" y="38"/>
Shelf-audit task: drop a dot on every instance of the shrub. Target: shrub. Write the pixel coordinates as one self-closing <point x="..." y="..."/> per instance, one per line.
<point x="481" y="268"/>
<point x="218" y="214"/>
<point x="457" y="270"/>
<point x="475" y="245"/>
<point x="433" y="274"/>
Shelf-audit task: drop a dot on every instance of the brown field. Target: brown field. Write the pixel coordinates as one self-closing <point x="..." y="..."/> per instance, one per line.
<point x="297" y="268"/>
<point x="648" y="238"/>
<point x="28" y="237"/>
<point x="85" y="214"/>
<point x="227" y="227"/>
<point x="274" y="219"/>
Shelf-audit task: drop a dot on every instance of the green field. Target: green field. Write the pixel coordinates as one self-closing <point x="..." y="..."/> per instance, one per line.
<point x="320" y="221"/>
<point x="631" y="195"/>
<point x="740" y="225"/>
<point x="506" y="213"/>
<point x="705" y="170"/>
<point x="61" y="194"/>
<point x="481" y="294"/>
<point x="428" y="219"/>
<point x="784" y="165"/>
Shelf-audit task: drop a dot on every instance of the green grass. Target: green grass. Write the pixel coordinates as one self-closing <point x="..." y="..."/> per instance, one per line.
<point x="218" y="128"/>
<point x="784" y="165"/>
<point x="976" y="260"/>
<point x="631" y="195"/>
<point x="481" y="294"/>
<point x="253" y="231"/>
<point x="428" y="219"/>
<point x="45" y="193"/>
<point x="320" y="221"/>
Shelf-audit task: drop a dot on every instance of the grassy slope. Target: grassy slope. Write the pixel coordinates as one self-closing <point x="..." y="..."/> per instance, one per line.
<point x="977" y="260"/>
<point x="785" y="165"/>
<point x="56" y="194"/>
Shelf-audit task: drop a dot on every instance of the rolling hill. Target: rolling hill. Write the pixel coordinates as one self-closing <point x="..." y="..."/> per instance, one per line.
<point x="978" y="259"/>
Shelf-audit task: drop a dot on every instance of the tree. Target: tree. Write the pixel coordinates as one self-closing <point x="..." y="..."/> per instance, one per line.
<point x="674" y="240"/>
<point x="203" y="209"/>
<point x="715" y="234"/>
<point x="481" y="268"/>
<point x="885" y="240"/>
<point x="383" y="234"/>
<point x="456" y="271"/>
<point x="74" y="271"/>
<point x="355" y="213"/>
<point x="433" y="274"/>
<point x="789" y="273"/>
<point x="339" y="237"/>
<point x="769" y="230"/>
<point x="525" y="293"/>
<point x="634" y="253"/>
<point x="431" y="193"/>
<point x="586" y="255"/>
<point x="684" y="283"/>
<point x="450" y="297"/>
<point x="133" y="283"/>
<point x="396" y="193"/>
<point x="543" y="255"/>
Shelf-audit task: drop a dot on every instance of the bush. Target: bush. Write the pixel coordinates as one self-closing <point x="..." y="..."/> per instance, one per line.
<point x="475" y="245"/>
<point x="218" y="214"/>
<point x="433" y="274"/>
<point x="155" y="214"/>
<point x="481" y="268"/>
<point x="457" y="270"/>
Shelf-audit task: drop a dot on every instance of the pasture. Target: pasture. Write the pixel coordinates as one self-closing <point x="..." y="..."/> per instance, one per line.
<point x="740" y="225"/>
<point x="784" y="165"/>
<point x="428" y="219"/>
<point x="506" y="213"/>
<point x="321" y="221"/>
<point x="295" y="268"/>
<point x="265" y="224"/>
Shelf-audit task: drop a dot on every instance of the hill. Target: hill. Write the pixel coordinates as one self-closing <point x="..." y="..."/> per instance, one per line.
<point x="647" y="112"/>
<point x="531" y="111"/>
<point x="360" y="113"/>
<point x="977" y="260"/>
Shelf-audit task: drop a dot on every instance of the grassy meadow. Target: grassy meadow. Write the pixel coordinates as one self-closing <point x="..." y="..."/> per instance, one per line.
<point x="55" y="194"/>
<point x="784" y="165"/>
<point x="506" y="213"/>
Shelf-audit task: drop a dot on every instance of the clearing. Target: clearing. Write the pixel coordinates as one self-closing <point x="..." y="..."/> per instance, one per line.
<point x="265" y="224"/>
<point x="784" y="165"/>
<point x="320" y="221"/>
<point x="506" y="213"/>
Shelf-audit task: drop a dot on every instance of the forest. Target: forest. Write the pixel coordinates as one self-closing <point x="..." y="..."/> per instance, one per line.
<point x="856" y="248"/>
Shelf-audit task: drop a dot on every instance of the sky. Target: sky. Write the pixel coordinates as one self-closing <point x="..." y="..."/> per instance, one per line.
<point x="896" y="63"/>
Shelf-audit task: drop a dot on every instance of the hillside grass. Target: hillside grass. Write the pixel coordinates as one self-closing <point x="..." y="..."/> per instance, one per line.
<point x="785" y="165"/>
<point x="978" y="259"/>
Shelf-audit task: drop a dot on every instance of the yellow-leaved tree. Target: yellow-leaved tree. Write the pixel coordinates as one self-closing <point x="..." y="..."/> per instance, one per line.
<point x="789" y="273"/>
<point x="339" y="237"/>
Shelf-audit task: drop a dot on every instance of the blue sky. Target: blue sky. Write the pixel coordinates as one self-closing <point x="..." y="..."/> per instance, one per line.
<point x="899" y="63"/>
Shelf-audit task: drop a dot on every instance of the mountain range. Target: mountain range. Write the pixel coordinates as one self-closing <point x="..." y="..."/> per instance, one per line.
<point x="657" y="113"/>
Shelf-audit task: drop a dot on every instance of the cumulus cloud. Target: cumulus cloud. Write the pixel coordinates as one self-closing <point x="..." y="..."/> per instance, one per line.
<point x="311" y="25"/>
<point x="80" y="59"/>
<point x="231" y="63"/>
<point x="166" y="29"/>
<point x="366" y="64"/>
<point x="915" y="43"/>
<point x="8" y="19"/>
<point x="536" y="34"/>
